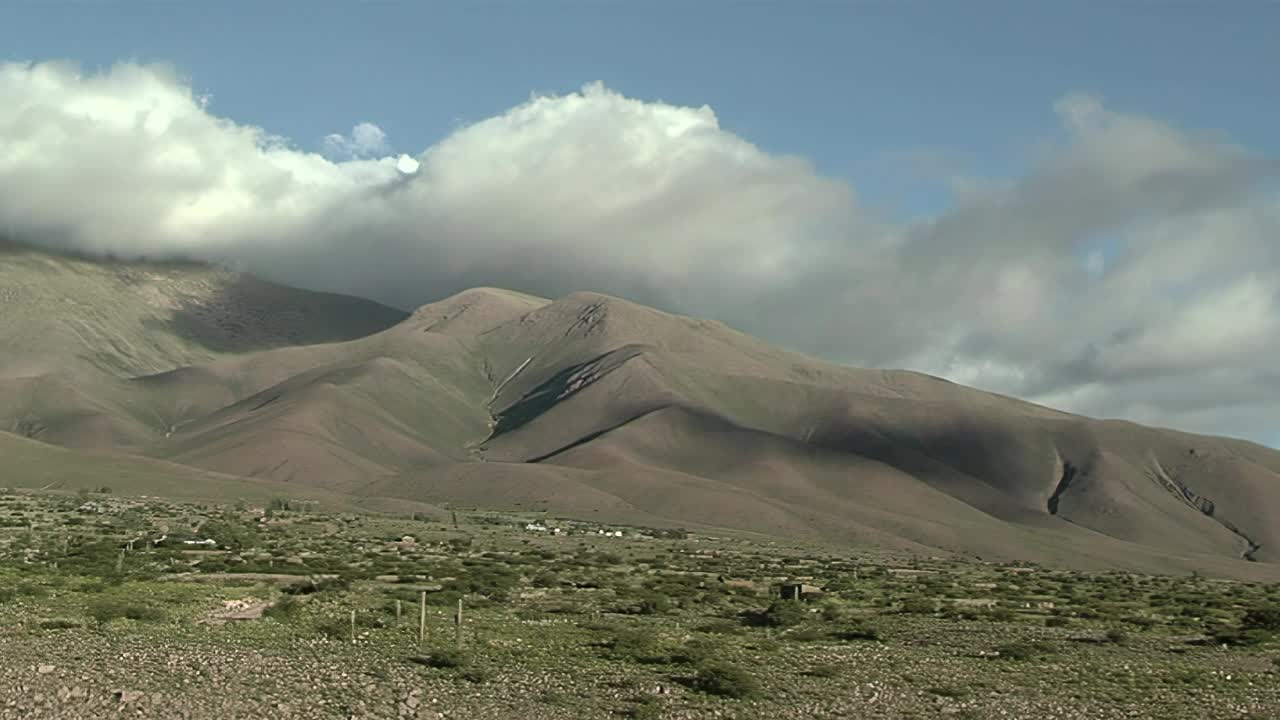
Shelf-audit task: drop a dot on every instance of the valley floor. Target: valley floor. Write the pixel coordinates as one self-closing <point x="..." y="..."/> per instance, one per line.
<point x="583" y="625"/>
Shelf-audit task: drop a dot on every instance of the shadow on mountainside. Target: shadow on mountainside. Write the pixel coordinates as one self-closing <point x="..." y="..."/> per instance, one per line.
<point x="248" y="314"/>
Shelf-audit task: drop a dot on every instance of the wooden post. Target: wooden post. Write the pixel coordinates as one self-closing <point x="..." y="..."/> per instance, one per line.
<point x="120" y="562"/>
<point x="458" y="619"/>
<point x="397" y="613"/>
<point x="422" y="619"/>
<point x="353" y="626"/>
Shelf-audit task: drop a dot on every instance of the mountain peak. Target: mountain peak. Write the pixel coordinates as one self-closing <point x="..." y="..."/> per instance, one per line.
<point x="474" y="311"/>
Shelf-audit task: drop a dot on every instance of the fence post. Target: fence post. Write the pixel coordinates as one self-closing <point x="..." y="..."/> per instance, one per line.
<point x="459" y="621"/>
<point x="422" y="619"/>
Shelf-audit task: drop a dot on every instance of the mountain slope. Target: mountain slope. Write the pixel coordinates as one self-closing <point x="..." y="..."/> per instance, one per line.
<point x="76" y="330"/>
<point x="596" y="407"/>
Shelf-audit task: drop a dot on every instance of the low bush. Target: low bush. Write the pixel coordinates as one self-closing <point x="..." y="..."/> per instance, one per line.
<point x="477" y="676"/>
<point x="319" y="584"/>
<point x="726" y="680"/>
<point x="949" y="691"/>
<point x="443" y="659"/>
<point x="634" y="645"/>
<point x="806" y="634"/>
<point x="1025" y="650"/>
<point x="697" y="651"/>
<point x="782" y="613"/>
<point x="919" y="606"/>
<point x="284" y="610"/>
<point x="1266" y="619"/>
<point x="1242" y="638"/>
<point x="107" y="609"/>
<point x="718" y="627"/>
<point x="824" y="671"/>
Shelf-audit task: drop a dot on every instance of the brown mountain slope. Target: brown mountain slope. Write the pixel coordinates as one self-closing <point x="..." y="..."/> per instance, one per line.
<point x="73" y="331"/>
<point x="596" y="407"/>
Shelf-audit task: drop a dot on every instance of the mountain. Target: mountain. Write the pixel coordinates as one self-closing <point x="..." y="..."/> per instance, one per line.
<point x="595" y="407"/>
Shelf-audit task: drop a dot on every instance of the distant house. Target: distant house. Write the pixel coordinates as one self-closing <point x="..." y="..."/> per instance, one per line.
<point x="800" y="591"/>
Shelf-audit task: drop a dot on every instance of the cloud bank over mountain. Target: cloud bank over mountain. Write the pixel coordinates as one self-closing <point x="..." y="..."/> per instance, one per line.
<point x="1132" y="270"/>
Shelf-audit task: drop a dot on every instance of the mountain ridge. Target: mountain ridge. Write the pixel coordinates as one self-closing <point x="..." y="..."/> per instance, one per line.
<point x="591" y="405"/>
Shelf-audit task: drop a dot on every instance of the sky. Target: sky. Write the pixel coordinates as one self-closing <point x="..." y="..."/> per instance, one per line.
<point x="1074" y="203"/>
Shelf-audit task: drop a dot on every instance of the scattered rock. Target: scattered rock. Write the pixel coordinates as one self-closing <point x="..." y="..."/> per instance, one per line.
<point x="126" y="697"/>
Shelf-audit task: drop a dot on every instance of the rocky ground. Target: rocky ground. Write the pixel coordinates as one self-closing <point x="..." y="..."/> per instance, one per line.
<point x="590" y="626"/>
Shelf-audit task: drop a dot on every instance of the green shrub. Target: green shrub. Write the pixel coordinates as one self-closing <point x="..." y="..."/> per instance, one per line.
<point x="1141" y="621"/>
<point x="1266" y="619"/>
<point x="284" y="610"/>
<point x="545" y="579"/>
<point x="653" y="603"/>
<point x="1116" y="636"/>
<point x="832" y="612"/>
<point x="782" y="613"/>
<point x="477" y="676"/>
<point x="698" y="651"/>
<point x="1025" y="650"/>
<point x="492" y="581"/>
<point x="443" y="659"/>
<point x="319" y="584"/>
<point x="635" y="645"/>
<point x="1057" y="621"/>
<point x="230" y="533"/>
<point x="1000" y="614"/>
<point x="109" y="608"/>
<point x="949" y="691"/>
<point x="726" y="680"/>
<point x="718" y="627"/>
<point x="335" y="628"/>
<point x="919" y="606"/>
<point x="824" y="671"/>
<point x="1242" y="638"/>
<point x="807" y="634"/>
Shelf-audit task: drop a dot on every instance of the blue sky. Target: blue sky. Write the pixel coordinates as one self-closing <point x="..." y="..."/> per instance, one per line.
<point x="1113" y="251"/>
<point x="890" y="95"/>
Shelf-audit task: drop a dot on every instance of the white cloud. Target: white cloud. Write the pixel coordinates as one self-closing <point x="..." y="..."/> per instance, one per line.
<point x="593" y="190"/>
<point x="365" y="141"/>
<point x="407" y="165"/>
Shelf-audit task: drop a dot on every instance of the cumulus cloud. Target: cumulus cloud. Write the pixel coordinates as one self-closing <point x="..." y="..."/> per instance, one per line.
<point x="1131" y="271"/>
<point x="365" y="141"/>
